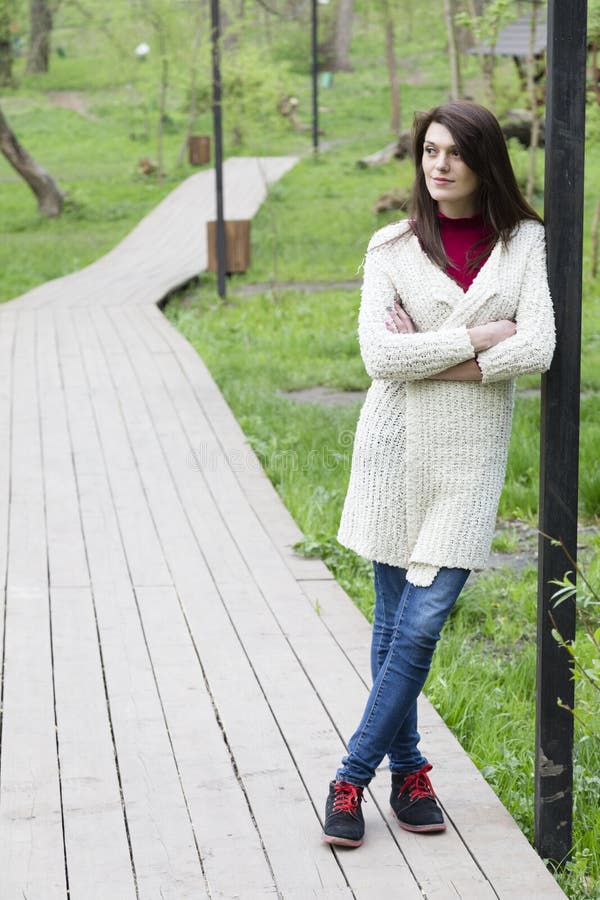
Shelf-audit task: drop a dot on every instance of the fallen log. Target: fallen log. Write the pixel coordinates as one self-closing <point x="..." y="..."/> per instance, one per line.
<point x="518" y="125"/>
<point x="394" y="199"/>
<point x="398" y="149"/>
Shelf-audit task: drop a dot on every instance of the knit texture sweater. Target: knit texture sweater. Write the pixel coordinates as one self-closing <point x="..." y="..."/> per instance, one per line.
<point x="429" y="456"/>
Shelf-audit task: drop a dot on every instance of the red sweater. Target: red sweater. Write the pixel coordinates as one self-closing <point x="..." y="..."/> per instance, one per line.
<point x="458" y="237"/>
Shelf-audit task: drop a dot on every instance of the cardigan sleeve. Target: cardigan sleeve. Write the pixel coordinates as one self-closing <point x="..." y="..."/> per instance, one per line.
<point x="532" y="347"/>
<point x="402" y="357"/>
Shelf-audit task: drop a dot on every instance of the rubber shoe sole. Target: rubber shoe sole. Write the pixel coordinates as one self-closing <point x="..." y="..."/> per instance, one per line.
<point x="420" y="829"/>
<point x="340" y="841"/>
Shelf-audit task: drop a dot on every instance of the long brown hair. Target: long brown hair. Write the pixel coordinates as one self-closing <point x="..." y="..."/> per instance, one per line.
<point x="479" y="139"/>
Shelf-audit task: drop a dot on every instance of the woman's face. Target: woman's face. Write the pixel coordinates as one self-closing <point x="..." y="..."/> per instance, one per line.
<point x="449" y="180"/>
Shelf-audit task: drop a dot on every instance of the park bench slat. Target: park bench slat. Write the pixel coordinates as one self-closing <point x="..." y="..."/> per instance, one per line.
<point x="31" y="840"/>
<point x="276" y="793"/>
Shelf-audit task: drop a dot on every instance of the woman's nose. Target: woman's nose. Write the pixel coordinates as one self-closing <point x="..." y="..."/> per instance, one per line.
<point x="442" y="162"/>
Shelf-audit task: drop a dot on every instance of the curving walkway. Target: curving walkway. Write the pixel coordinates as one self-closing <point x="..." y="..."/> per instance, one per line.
<point x="177" y="681"/>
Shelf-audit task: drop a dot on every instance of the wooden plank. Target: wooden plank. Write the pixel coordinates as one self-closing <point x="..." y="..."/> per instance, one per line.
<point x="31" y="841"/>
<point x="96" y="840"/>
<point x="261" y="755"/>
<point x="259" y="490"/>
<point x="199" y="761"/>
<point x="484" y="824"/>
<point x="299" y="712"/>
<point x="8" y="321"/>
<point x="66" y="552"/>
<point x="452" y="860"/>
<point x="445" y="862"/>
<point x="144" y="556"/>
<point x="98" y="857"/>
<point x="166" y="859"/>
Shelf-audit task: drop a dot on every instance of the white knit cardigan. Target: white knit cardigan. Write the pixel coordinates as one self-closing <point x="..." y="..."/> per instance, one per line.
<point x="430" y="456"/>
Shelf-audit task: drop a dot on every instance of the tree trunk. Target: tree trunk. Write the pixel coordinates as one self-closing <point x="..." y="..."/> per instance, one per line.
<point x="49" y="197"/>
<point x="6" y="53"/>
<point x="456" y="90"/>
<point x="40" y="31"/>
<point x="392" y="67"/>
<point x="6" y="63"/>
<point x="343" y="35"/>
<point x="193" y="109"/>
<point x="595" y="72"/>
<point x="162" y="107"/>
<point x="486" y="60"/>
<point x="533" y="100"/>
<point x="595" y="223"/>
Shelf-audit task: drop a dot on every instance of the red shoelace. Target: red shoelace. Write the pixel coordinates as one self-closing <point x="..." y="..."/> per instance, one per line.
<point x="347" y="797"/>
<point x="418" y="784"/>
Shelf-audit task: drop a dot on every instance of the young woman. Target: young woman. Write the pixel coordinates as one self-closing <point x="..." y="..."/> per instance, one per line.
<point x="455" y="304"/>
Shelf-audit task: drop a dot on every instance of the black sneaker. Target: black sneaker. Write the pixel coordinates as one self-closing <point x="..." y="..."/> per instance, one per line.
<point x="344" y="823"/>
<point x="413" y="801"/>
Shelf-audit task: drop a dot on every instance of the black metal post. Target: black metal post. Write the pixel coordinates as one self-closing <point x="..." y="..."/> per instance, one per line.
<point x="315" y="75"/>
<point x="218" y="140"/>
<point x="565" y="137"/>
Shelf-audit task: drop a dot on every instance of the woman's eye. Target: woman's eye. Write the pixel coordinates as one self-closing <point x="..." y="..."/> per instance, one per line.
<point x="456" y="154"/>
<point x="430" y="150"/>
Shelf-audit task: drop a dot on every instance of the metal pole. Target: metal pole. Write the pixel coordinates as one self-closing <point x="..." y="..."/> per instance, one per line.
<point x="218" y="139"/>
<point x="315" y="82"/>
<point x="565" y="137"/>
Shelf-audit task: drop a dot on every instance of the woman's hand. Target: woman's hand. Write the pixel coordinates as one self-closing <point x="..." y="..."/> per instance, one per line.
<point x="485" y="336"/>
<point x="399" y="322"/>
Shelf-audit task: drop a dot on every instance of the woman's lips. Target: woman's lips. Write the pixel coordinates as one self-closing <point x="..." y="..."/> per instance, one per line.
<point x="441" y="181"/>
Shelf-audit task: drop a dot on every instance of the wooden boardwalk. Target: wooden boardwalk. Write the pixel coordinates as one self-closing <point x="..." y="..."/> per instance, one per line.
<point x="177" y="683"/>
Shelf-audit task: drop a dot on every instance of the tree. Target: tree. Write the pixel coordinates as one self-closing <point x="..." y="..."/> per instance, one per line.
<point x="392" y="67"/>
<point x="6" y="39"/>
<point x="49" y="197"/>
<point x="485" y="23"/>
<point x="343" y="36"/>
<point x="533" y="101"/>
<point x="456" y="90"/>
<point x="41" y="21"/>
<point x="40" y="32"/>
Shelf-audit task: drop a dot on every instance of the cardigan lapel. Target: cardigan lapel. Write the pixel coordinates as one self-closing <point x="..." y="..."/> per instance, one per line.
<point x="444" y="288"/>
<point x="484" y="286"/>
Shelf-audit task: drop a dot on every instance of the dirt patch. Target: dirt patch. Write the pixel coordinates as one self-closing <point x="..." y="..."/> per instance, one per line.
<point x="523" y="542"/>
<point x="324" y="396"/>
<point x="330" y="397"/>
<point x="74" y="100"/>
<point x="307" y="287"/>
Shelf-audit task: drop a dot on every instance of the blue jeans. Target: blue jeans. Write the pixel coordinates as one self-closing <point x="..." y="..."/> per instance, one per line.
<point x="406" y="628"/>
